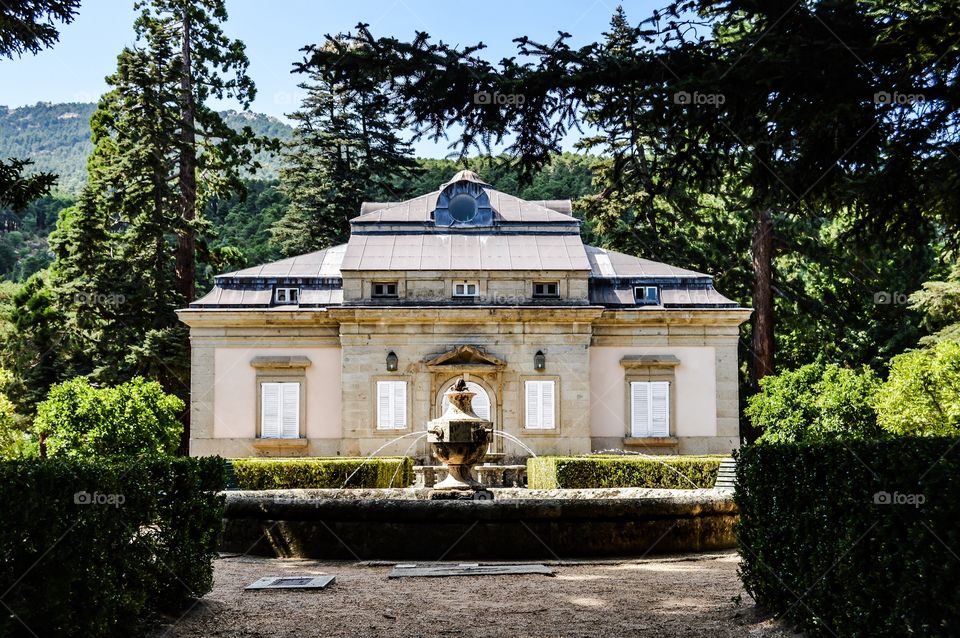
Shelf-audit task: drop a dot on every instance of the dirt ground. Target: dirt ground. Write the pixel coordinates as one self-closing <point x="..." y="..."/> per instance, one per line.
<point x="667" y="596"/>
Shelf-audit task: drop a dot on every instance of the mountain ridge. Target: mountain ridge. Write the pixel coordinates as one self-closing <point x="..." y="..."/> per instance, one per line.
<point x="56" y="136"/>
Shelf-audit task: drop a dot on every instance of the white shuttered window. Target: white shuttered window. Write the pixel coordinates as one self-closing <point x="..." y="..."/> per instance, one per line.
<point x="649" y="408"/>
<point x="279" y="410"/>
<point x="540" y="397"/>
<point x="391" y="405"/>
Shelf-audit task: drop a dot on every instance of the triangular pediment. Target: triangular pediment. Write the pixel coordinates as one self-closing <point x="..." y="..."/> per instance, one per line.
<point x="465" y="355"/>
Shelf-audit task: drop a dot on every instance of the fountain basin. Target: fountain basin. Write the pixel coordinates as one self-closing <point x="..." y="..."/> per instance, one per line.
<point x="519" y="524"/>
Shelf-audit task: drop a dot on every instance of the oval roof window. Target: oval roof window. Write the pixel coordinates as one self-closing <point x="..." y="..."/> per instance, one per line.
<point x="463" y="207"/>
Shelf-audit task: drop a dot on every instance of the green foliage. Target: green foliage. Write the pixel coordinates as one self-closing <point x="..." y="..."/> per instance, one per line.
<point x="33" y="347"/>
<point x="939" y="301"/>
<point x="135" y="418"/>
<point x="101" y="548"/>
<point x="345" y="147"/>
<point x="921" y="397"/>
<point x="816" y="402"/>
<point x="852" y="538"/>
<point x="333" y="472"/>
<point x="28" y="26"/>
<point x="15" y="441"/>
<point x="583" y="472"/>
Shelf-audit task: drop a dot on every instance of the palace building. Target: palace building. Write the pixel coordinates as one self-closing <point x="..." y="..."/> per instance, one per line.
<point x="568" y="347"/>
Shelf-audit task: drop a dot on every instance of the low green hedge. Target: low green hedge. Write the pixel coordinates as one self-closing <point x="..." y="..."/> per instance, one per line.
<point x="94" y="548"/>
<point x="291" y="473"/>
<point x="853" y="538"/>
<point x="669" y="472"/>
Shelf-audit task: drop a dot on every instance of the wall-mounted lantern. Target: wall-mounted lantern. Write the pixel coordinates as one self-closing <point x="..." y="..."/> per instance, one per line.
<point x="392" y="362"/>
<point x="539" y="361"/>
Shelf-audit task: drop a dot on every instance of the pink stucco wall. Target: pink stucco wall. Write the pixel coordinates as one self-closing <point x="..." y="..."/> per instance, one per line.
<point x="235" y="400"/>
<point x="695" y="408"/>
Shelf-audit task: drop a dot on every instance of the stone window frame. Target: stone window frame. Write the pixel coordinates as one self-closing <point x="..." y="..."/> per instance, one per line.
<point x="281" y="369"/>
<point x="553" y="282"/>
<point x="374" y="397"/>
<point x="465" y="282"/>
<point x="385" y="282"/>
<point x="556" y="430"/>
<point x="645" y="368"/>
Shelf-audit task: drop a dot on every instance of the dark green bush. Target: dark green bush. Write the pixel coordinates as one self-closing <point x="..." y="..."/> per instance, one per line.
<point x="858" y="538"/>
<point x="668" y="472"/>
<point x="276" y="474"/>
<point x="100" y="548"/>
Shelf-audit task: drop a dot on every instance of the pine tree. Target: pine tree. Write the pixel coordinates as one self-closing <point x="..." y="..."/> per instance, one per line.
<point x="126" y="253"/>
<point x="345" y="148"/>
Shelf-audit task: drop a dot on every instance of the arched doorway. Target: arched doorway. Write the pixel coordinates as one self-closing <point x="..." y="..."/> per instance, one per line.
<point x="480" y="403"/>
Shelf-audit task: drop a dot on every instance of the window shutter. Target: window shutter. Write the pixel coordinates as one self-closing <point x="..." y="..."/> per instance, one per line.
<point x="270" y="410"/>
<point x="546" y="405"/>
<point x="384" y="404"/>
<point x="290" y="413"/>
<point x="533" y="404"/>
<point x="639" y="408"/>
<point x="399" y="418"/>
<point x="660" y="408"/>
<point x="391" y="405"/>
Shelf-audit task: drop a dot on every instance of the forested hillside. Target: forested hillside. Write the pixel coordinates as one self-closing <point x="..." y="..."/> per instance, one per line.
<point x="57" y="138"/>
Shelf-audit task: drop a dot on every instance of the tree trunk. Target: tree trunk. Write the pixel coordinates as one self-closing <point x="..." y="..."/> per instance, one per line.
<point x="762" y="346"/>
<point x="186" y="266"/>
<point x="186" y="239"/>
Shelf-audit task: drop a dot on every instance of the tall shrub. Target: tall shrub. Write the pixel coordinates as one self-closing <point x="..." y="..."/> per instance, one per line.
<point x="99" y="548"/>
<point x="131" y="419"/>
<point x="922" y="394"/>
<point x="816" y="402"/>
<point x="853" y="538"/>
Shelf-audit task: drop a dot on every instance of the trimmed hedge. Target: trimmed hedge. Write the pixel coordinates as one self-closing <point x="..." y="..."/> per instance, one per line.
<point x="667" y="472"/>
<point x="94" y="548"/>
<point x="293" y="473"/>
<point x="854" y="538"/>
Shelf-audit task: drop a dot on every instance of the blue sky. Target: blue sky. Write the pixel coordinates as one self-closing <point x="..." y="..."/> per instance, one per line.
<point x="275" y="30"/>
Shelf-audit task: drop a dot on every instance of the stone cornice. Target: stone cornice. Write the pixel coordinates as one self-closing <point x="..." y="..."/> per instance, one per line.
<point x="601" y="318"/>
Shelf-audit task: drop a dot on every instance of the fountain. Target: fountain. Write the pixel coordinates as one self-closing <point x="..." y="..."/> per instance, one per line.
<point x="460" y="439"/>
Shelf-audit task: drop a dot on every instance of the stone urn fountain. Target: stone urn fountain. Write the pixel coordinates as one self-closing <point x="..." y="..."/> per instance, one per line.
<point x="460" y="439"/>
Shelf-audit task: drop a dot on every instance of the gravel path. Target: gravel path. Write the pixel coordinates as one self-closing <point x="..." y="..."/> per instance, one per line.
<point x="668" y="596"/>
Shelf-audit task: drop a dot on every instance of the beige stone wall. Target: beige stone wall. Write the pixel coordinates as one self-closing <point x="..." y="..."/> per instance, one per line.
<point x="511" y="335"/>
<point x="693" y="412"/>
<point x="437" y="286"/>
<point x="235" y="398"/>
<point x="348" y="348"/>
<point x="705" y="403"/>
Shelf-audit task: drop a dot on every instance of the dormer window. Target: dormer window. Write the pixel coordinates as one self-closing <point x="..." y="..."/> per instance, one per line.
<point x="646" y="295"/>
<point x="546" y="289"/>
<point x="463" y="207"/>
<point x="385" y="289"/>
<point x="286" y="296"/>
<point x="465" y="289"/>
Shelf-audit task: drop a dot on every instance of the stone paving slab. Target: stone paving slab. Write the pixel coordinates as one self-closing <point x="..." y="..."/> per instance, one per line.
<point x="466" y="569"/>
<point x="292" y="582"/>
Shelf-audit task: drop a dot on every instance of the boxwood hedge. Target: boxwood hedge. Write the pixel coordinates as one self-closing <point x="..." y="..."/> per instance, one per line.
<point x="854" y="538"/>
<point x="290" y="473"/>
<point x="93" y="548"/>
<point x="674" y="472"/>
